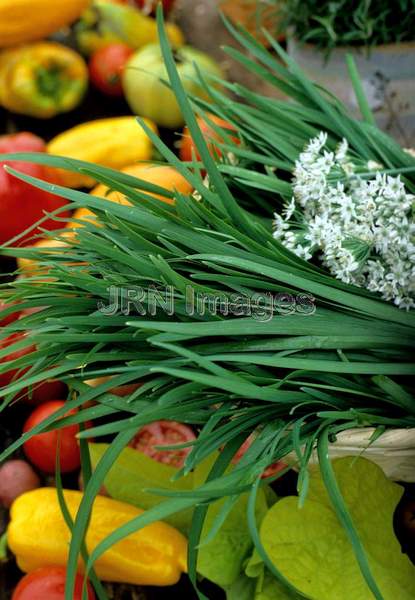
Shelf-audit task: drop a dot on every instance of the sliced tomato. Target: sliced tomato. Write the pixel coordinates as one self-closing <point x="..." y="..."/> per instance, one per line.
<point x="271" y="470"/>
<point x="48" y="583"/>
<point x="164" y="433"/>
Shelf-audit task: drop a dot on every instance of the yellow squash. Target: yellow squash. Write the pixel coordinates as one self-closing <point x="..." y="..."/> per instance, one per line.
<point x="38" y="536"/>
<point x="116" y="142"/>
<point x="24" y="21"/>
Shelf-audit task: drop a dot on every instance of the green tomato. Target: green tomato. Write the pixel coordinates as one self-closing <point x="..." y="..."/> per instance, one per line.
<point x="145" y="91"/>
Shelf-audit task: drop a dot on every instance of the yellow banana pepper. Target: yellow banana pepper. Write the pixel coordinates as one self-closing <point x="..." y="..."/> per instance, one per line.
<point x="42" y="79"/>
<point x="39" y="537"/>
<point x="115" y="142"/>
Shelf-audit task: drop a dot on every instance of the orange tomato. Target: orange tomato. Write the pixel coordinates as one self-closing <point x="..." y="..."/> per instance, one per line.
<point x="188" y="150"/>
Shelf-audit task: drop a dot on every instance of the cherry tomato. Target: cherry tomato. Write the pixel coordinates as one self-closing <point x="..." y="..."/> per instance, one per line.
<point x="48" y="583"/>
<point x="21" y="204"/>
<point x="188" y="149"/>
<point x="41" y="448"/>
<point x="271" y="470"/>
<point x="164" y="433"/>
<point x="106" y="66"/>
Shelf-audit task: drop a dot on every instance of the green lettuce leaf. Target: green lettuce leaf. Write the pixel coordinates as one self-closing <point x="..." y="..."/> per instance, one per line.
<point x="221" y="560"/>
<point x="243" y="588"/>
<point x="269" y="588"/>
<point x="310" y="548"/>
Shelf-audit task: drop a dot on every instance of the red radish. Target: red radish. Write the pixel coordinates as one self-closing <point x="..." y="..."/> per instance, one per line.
<point x="16" y="478"/>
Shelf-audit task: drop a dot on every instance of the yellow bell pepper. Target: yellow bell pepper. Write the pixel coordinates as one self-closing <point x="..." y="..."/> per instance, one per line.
<point x="132" y="26"/>
<point x="115" y="142"/>
<point x="42" y="79"/>
<point x="23" y="21"/>
<point x="39" y="537"/>
<point x="108" y="22"/>
<point x="30" y="266"/>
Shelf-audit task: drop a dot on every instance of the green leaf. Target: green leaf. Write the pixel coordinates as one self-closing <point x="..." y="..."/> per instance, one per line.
<point x="243" y="588"/>
<point x="269" y="588"/>
<point x="311" y="549"/>
<point x="133" y="473"/>
<point x="222" y="559"/>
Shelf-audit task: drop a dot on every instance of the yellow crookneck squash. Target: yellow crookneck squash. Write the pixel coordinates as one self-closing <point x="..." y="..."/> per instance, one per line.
<point x="115" y="142"/>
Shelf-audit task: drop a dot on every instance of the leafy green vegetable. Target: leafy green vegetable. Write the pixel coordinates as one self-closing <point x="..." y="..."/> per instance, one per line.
<point x="242" y="589"/>
<point x="332" y="23"/>
<point x="288" y="379"/>
<point x="221" y="559"/>
<point x="310" y="548"/>
<point x="269" y="588"/>
<point x="133" y="473"/>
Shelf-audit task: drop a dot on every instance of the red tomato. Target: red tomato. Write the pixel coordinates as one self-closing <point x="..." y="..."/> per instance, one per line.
<point x="8" y="376"/>
<point x="164" y="433"/>
<point x="187" y="147"/>
<point x="21" y="204"/>
<point x="9" y="318"/>
<point x="41" y="448"/>
<point x="48" y="583"/>
<point x="106" y="66"/>
<point x="47" y="390"/>
<point x="148" y="7"/>
<point x="271" y="470"/>
<point x="51" y="389"/>
<point x="22" y="142"/>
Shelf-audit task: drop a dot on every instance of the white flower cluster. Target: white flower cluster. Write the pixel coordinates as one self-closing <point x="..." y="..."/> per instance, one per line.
<point x="362" y="229"/>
